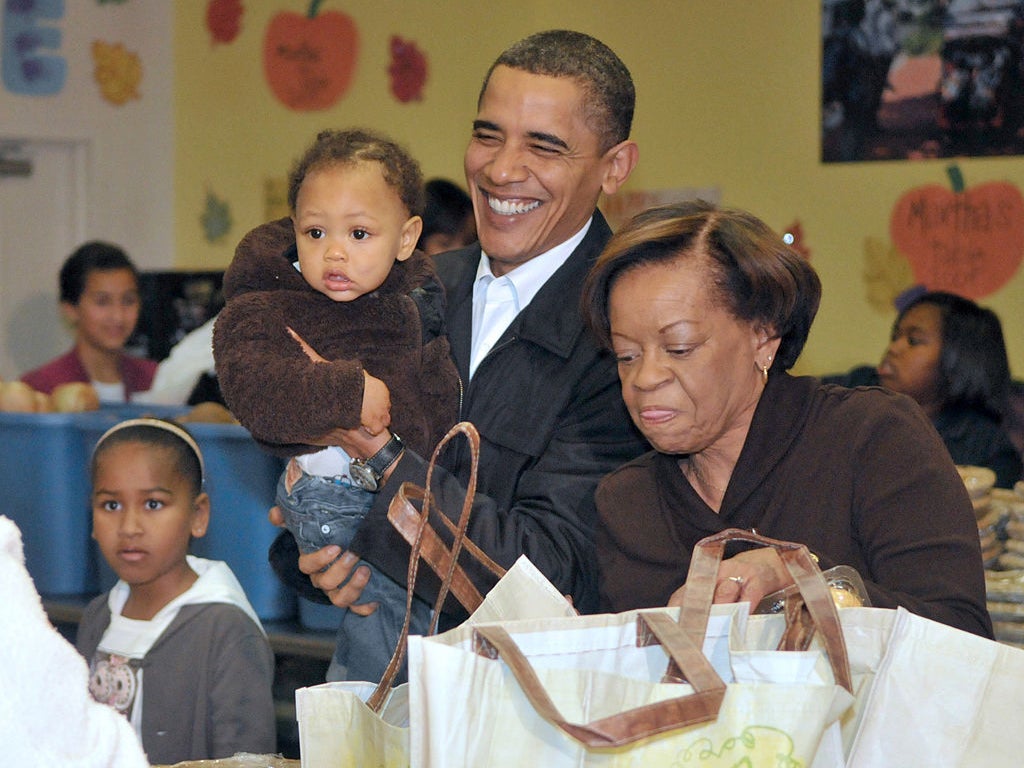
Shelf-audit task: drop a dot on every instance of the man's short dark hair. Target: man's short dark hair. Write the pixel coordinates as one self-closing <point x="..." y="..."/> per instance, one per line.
<point x="607" y="85"/>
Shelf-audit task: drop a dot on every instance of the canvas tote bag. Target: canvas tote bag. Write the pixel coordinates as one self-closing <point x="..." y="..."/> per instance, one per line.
<point x="366" y="724"/>
<point x="607" y="691"/>
<point x="940" y="696"/>
<point x="926" y="694"/>
<point x="753" y="644"/>
<point x="337" y="727"/>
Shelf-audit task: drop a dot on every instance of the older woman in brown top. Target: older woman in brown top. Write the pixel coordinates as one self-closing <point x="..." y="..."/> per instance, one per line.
<point x="705" y="310"/>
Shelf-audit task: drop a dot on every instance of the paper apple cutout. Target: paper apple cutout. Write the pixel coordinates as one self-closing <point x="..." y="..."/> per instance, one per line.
<point x="309" y="60"/>
<point x="408" y="70"/>
<point x="224" y="19"/>
<point x="965" y="240"/>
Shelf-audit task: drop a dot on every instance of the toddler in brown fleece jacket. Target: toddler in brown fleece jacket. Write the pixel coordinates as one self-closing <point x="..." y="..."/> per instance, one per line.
<point x="332" y="320"/>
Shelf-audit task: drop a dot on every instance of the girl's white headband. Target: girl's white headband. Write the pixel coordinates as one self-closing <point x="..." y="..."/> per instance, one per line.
<point x="169" y="426"/>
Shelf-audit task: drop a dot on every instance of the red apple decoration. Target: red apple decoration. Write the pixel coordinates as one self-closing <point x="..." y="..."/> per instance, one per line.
<point x="224" y="19"/>
<point x="309" y="60"/>
<point x="965" y="240"/>
<point x="408" y="70"/>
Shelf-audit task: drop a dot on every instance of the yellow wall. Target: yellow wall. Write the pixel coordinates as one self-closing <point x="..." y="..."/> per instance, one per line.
<point x="728" y="97"/>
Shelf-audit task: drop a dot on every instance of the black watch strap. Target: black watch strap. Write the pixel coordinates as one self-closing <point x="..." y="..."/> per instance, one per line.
<point x="386" y="456"/>
<point x="366" y="473"/>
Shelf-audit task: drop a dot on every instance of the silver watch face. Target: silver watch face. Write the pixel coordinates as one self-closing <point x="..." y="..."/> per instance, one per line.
<point x="363" y="476"/>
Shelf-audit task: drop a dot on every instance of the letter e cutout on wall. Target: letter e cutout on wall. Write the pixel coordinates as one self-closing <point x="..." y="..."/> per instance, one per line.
<point x="25" y="70"/>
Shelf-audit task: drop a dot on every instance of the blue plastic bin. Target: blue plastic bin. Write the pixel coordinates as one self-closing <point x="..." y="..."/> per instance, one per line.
<point x="241" y="480"/>
<point x="45" y="490"/>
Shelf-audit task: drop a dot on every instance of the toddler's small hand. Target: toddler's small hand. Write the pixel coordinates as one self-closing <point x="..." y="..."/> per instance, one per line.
<point x="375" y="415"/>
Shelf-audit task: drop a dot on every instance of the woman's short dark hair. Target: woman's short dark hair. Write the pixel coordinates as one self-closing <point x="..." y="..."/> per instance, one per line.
<point x="974" y="371"/>
<point x="755" y="275"/>
<point x="94" y="256"/>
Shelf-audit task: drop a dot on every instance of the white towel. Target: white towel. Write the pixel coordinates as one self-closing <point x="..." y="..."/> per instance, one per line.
<point x="47" y="717"/>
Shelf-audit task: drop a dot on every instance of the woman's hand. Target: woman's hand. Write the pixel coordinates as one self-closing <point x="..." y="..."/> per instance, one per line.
<point x="329" y="568"/>
<point x="746" y="577"/>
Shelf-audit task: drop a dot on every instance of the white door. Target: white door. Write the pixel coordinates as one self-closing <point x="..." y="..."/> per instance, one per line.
<point x="43" y="217"/>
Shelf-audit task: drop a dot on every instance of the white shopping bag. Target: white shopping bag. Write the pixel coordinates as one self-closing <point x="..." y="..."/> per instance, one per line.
<point x="940" y="696"/>
<point x="926" y="694"/>
<point x="366" y="723"/>
<point x="866" y="634"/>
<point x="593" y="691"/>
<point x="337" y="729"/>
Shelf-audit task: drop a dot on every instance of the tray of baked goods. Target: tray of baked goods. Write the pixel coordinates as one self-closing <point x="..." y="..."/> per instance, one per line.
<point x="1000" y="517"/>
<point x="1004" y="574"/>
<point x="1005" y="596"/>
<point x="1006" y="514"/>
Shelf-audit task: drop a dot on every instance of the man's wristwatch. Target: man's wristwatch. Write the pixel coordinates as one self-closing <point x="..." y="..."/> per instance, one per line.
<point x="366" y="473"/>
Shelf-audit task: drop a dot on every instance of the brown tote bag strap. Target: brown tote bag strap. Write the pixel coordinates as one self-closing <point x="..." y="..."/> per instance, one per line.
<point x="447" y="567"/>
<point x="700" y="706"/>
<point x="406" y="519"/>
<point x="814" y="591"/>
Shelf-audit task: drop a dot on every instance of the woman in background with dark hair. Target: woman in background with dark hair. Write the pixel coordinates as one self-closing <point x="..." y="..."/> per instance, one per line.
<point x="705" y="310"/>
<point x="948" y="354"/>
<point x="99" y="297"/>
